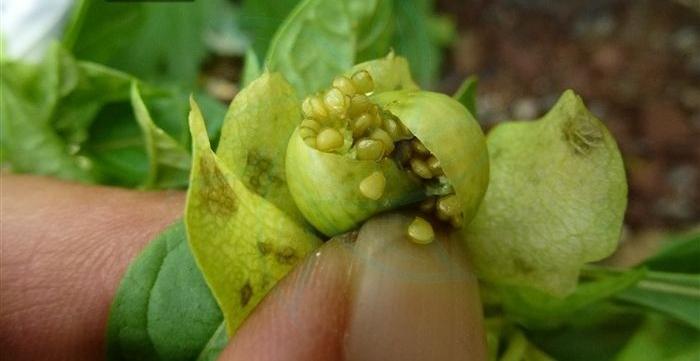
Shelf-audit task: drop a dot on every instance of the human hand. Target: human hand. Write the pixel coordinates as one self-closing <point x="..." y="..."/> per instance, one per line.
<point x="66" y="246"/>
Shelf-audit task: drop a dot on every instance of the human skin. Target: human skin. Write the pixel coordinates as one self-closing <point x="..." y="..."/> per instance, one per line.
<point x="65" y="246"/>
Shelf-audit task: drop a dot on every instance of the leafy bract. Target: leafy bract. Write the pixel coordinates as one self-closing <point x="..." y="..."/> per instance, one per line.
<point x="242" y="243"/>
<point x="315" y="43"/>
<point x="254" y="139"/>
<point x="555" y="200"/>
<point x="169" y="162"/>
<point x="163" y="290"/>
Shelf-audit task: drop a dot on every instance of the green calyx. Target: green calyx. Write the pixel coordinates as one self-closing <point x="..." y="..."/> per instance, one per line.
<point x="555" y="201"/>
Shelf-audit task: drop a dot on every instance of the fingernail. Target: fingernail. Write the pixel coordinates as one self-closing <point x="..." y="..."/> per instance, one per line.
<point x="409" y="301"/>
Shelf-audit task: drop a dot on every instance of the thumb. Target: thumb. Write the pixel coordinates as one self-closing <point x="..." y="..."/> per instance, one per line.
<point x="372" y="295"/>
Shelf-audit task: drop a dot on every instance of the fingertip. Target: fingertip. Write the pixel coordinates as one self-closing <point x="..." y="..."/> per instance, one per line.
<point x="303" y="318"/>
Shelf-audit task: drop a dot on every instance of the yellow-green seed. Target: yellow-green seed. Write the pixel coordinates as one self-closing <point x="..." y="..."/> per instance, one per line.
<point x="420" y="168"/>
<point x="420" y="231"/>
<point x="363" y="81"/>
<point x="369" y="149"/>
<point x="373" y="185"/>
<point x="392" y="127"/>
<point x="361" y="124"/>
<point x="329" y="139"/>
<point x="311" y="124"/>
<point x="311" y="142"/>
<point x="385" y="138"/>
<point x="376" y="116"/>
<point x="427" y="205"/>
<point x="434" y="165"/>
<point x="336" y="102"/>
<point x="317" y="108"/>
<point x="448" y="207"/>
<point x="419" y="148"/>
<point x="359" y="104"/>
<point x="307" y="108"/>
<point x="345" y="85"/>
<point x="307" y="133"/>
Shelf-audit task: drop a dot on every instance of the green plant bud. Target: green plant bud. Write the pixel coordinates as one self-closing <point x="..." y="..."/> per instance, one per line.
<point x="344" y="85"/>
<point x="444" y="128"/>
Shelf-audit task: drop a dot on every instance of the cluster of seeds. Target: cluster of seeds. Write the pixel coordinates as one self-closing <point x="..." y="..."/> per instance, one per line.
<point x="345" y="111"/>
<point x="344" y="120"/>
<point x="413" y="156"/>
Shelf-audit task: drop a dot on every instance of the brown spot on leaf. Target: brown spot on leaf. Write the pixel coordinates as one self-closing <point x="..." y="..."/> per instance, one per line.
<point x="259" y="172"/>
<point x="215" y="191"/>
<point x="264" y="248"/>
<point x="583" y="134"/>
<point x="286" y="255"/>
<point x="246" y="294"/>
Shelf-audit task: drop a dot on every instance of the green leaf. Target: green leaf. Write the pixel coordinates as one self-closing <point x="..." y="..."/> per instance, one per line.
<point x="596" y="333"/>
<point x="466" y="94"/>
<point x="661" y="339"/>
<point x="162" y="291"/>
<point x="536" y="309"/>
<point x="374" y="22"/>
<point x="420" y="37"/>
<point x="242" y="243"/>
<point x="47" y="109"/>
<point x="154" y="41"/>
<point x="169" y="162"/>
<point x="254" y="139"/>
<point x="681" y="254"/>
<point x="314" y="44"/>
<point x="251" y="68"/>
<point x="674" y="294"/>
<point x="261" y="19"/>
<point x="555" y="201"/>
